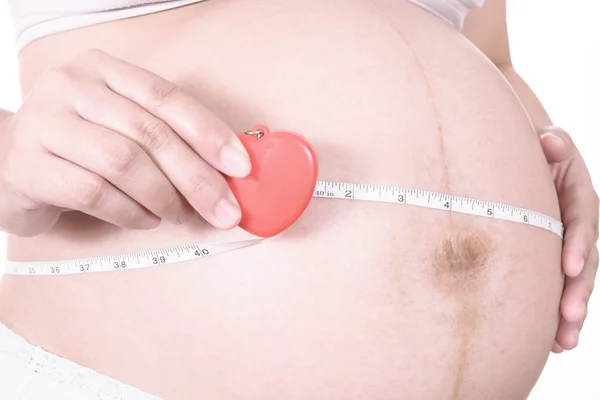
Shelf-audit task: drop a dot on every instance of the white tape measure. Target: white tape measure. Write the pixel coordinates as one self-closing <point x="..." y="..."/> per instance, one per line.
<point x="332" y="190"/>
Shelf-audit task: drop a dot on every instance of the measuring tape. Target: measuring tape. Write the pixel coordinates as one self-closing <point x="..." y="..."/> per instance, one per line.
<point x="331" y="190"/>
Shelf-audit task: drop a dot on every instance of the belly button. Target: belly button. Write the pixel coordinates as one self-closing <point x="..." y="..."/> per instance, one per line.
<point x="459" y="264"/>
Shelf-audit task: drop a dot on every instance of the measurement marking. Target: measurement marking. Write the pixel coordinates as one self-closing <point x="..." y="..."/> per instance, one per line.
<point x="339" y="190"/>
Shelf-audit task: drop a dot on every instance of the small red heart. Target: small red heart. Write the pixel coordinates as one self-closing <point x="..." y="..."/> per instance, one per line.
<point x="281" y="184"/>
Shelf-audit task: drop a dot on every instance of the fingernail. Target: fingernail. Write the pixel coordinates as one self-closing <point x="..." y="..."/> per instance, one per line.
<point x="227" y="213"/>
<point x="548" y="134"/>
<point x="553" y="137"/>
<point x="235" y="159"/>
<point x="582" y="310"/>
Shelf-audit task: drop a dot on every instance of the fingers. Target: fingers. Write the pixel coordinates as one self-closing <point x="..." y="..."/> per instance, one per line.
<point x="139" y="148"/>
<point x="556" y="143"/>
<point x="66" y="185"/>
<point x="22" y="217"/>
<point x="574" y="302"/>
<point x="567" y="336"/>
<point x="203" y="186"/>
<point x="557" y="349"/>
<point x="578" y="290"/>
<point x="206" y="134"/>
<point x="580" y="209"/>
<point x="119" y="161"/>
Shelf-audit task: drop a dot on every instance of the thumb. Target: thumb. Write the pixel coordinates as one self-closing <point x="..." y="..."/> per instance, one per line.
<point x="556" y="143"/>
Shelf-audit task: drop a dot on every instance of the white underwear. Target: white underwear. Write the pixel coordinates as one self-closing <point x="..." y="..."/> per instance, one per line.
<point x="28" y="372"/>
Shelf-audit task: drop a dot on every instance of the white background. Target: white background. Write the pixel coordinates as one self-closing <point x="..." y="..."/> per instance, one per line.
<point x="556" y="48"/>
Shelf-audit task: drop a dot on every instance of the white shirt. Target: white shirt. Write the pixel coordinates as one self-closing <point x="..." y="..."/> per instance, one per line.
<point x="37" y="18"/>
<point x="452" y="11"/>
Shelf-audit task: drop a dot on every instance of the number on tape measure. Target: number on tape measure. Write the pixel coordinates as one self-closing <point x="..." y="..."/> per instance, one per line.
<point x="323" y="189"/>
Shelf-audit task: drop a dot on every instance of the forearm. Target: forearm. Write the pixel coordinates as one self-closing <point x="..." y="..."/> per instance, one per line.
<point x="537" y="114"/>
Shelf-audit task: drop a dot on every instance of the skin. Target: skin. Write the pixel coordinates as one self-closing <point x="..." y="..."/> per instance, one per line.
<point x="157" y="122"/>
<point x="466" y="279"/>
<point x="487" y="29"/>
<point x="36" y="209"/>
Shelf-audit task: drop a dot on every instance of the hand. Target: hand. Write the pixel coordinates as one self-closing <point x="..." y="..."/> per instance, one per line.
<point x="579" y="207"/>
<point x="104" y="137"/>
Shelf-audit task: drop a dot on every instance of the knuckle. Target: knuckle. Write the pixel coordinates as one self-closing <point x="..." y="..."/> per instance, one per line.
<point x="13" y="172"/>
<point x="215" y="138"/>
<point x="62" y="77"/>
<point x="161" y="92"/>
<point x="132" y="216"/>
<point x="122" y="159"/>
<point x="10" y="166"/>
<point x="202" y="181"/>
<point x="26" y="124"/>
<point x="91" y="56"/>
<point x="27" y="204"/>
<point x="155" y="134"/>
<point x="89" y="194"/>
<point x="11" y="180"/>
<point x="72" y="71"/>
<point x="94" y="53"/>
<point x="169" y="202"/>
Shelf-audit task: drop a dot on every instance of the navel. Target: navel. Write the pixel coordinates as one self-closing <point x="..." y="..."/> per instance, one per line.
<point x="460" y="262"/>
<point x="460" y="270"/>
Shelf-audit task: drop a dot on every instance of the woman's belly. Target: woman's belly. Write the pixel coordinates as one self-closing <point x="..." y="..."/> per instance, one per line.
<point x="357" y="299"/>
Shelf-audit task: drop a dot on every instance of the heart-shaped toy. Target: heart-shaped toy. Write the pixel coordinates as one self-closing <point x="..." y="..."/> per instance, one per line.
<point x="281" y="184"/>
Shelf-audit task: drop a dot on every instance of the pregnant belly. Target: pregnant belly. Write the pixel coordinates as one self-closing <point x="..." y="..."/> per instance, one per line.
<point x="358" y="300"/>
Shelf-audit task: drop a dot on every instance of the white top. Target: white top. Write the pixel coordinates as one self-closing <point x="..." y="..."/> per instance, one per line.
<point x="37" y="18"/>
<point x="452" y="11"/>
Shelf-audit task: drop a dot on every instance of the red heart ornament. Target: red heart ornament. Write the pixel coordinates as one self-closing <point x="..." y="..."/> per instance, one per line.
<point x="281" y="184"/>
